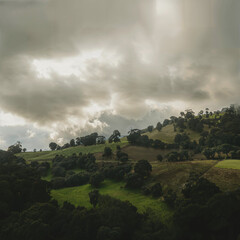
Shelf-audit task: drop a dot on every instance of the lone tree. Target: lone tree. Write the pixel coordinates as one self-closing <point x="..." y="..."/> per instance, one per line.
<point x="72" y="143"/>
<point x="159" y="126"/>
<point x="150" y="128"/>
<point x="16" y="148"/>
<point x="53" y="146"/>
<point x="143" y="168"/>
<point x="115" y="137"/>
<point x="93" y="197"/>
<point x="96" y="179"/>
<point x="107" y="152"/>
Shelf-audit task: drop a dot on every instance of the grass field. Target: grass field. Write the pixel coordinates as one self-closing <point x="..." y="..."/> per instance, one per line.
<point x="225" y="174"/>
<point x="48" y="155"/>
<point x="233" y="164"/>
<point x="174" y="174"/>
<point x="167" y="134"/>
<point x="79" y="197"/>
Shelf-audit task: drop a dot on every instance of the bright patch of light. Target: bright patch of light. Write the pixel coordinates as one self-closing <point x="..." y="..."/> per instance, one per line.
<point x="179" y="105"/>
<point x="30" y="133"/>
<point x="8" y="119"/>
<point x="164" y="7"/>
<point x="74" y="66"/>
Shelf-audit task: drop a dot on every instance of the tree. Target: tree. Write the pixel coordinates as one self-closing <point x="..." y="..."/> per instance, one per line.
<point x="209" y="153"/>
<point x="150" y="128"/>
<point x="159" y="126"/>
<point x="58" y="172"/>
<point x="170" y="198"/>
<point x="53" y="146"/>
<point x="225" y="148"/>
<point x="134" y="180"/>
<point x="115" y="137"/>
<point x="100" y="140"/>
<point x="107" y="152"/>
<point x="134" y="135"/>
<point x="96" y="179"/>
<point x="72" y="143"/>
<point x="24" y="149"/>
<point x="159" y="157"/>
<point x="93" y="197"/>
<point x="166" y="122"/>
<point x="156" y="190"/>
<point x="143" y="168"/>
<point x="200" y="190"/>
<point x="16" y="148"/>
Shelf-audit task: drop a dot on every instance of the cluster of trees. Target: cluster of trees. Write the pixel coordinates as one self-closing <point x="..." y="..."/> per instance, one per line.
<point x="16" y="148"/>
<point x="27" y="212"/>
<point x="135" y="138"/>
<point x="178" y="156"/>
<point x="88" y="140"/>
<point x="142" y="171"/>
<point x="63" y="174"/>
<point x="205" y="212"/>
<point x="42" y="168"/>
<point x="155" y="190"/>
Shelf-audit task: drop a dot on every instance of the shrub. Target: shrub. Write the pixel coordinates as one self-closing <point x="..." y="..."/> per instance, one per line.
<point x="156" y="190"/>
<point x="58" y="172"/>
<point x="107" y="152"/>
<point x="159" y="157"/>
<point x="96" y="179"/>
<point x="134" y="180"/>
<point x="143" y="168"/>
<point x="58" y="182"/>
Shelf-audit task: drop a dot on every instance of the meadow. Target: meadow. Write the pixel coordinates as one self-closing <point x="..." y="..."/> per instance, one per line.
<point x="78" y="196"/>
<point x="49" y="155"/>
<point x="229" y="163"/>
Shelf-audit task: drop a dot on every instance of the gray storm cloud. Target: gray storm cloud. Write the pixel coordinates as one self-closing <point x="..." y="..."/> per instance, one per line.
<point x="163" y="51"/>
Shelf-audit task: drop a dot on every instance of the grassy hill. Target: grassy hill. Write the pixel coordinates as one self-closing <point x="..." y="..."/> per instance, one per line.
<point x="79" y="197"/>
<point x="167" y="134"/>
<point x="48" y="155"/>
<point x="232" y="164"/>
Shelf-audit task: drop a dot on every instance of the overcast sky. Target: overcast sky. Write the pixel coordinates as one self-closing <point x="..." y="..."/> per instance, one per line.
<point x="71" y="67"/>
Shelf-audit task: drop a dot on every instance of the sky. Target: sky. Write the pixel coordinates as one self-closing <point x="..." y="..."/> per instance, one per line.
<point x="69" y="68"/>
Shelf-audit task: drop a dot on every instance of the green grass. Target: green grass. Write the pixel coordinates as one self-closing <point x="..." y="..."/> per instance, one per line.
<point x="79" y="197"/>
<point x="48" y="155"/>
<point x="233" y="164"/>
<point x="167" y="134"/>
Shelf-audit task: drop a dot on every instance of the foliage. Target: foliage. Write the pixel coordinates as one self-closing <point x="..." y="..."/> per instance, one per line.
<point x="107" y="152"/>
<point x="16" y="148"/>
<point x="143" y="168"/>
<point x="134" y="180"/>
<point x="53" y="146"/>
<point x="96" y="179"/>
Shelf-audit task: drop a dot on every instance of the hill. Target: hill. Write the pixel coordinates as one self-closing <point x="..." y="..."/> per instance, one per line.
<point x="167" y="134"/>
<point x="48" y="155"/>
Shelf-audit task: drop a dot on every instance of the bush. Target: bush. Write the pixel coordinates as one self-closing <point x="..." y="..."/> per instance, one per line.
<point x="77" y="179"/>
<point x="156" y="190"/>
<point x="134" y="180"/>
<point x="143" y="168"/>
<point x="58" y="172"/>
<point x="107" y="152"/>
<point x="58" y="182"/>
<point x="170" y="198"/>
<point x="96" y="179"/>
<point x="159" y="157"/>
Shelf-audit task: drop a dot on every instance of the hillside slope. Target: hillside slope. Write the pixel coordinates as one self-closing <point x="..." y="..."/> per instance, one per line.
<point x="167" y="134"/>
<point x="48" y="155"/>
